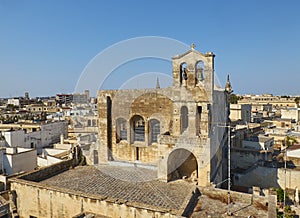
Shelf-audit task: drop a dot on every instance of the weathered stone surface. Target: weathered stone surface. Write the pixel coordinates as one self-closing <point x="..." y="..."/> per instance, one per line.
<point x="124" y="184"/>
<point x="189" y="115"/>
<point x="111" y="191"/>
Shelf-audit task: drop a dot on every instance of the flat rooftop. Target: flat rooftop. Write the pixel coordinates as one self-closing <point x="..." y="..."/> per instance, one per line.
<point x="135" y="185"/>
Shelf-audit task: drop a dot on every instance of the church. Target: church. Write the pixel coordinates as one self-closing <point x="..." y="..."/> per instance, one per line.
<point x="180" y="130"/>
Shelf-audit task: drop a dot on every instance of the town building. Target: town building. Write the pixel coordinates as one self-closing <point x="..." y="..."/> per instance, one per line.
<point x="64" y="99"/>
<point x="33" y="135"/>
<point x="81" y="98"/>
<point x="259" y="143"/>
<point x="293" y="155"/>
<point x="13" y="101"/>
<point x="240" y="112"/>
<point x="15" y="160"/>
<point x="291" y="114"/>
<point x="276" y="101"/>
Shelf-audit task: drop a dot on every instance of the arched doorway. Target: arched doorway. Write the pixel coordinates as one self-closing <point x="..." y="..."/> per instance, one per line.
<point x="182" y="163"/>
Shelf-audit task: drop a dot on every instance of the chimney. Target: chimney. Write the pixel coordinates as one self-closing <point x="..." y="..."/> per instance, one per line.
<point x="61" y="138"/>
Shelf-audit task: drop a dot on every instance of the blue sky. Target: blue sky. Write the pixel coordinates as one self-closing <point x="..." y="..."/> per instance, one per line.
<point x="45" y="45"/>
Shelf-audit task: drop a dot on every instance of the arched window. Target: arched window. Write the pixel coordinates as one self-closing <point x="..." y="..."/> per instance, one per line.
<point x="199" y="72"/>
<point x="184" y="118"/>
<point x="183" y="72"/>
<point x="121" y="129"/>
<point x="89" y="123"/>
<point x="198" y="119"/>
<point x="109" y="127"/>
<point x="138" y="127"/>
<point x="154" y="130"/>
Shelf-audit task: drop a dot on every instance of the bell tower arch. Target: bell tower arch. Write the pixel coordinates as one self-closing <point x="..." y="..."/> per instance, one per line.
<point x="193" y="69"/>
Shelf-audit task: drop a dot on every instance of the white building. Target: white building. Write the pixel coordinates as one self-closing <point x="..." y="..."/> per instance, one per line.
<point x="42" y="136"/>
<point x="16" y="160"/>
<point x="51" y="156"/>
<point x="13" y="101"/>
<point x="259" y="143"/>
<point x="293" y="151"/>
<point x="240" y="112"/>
<point x="291" y="113"/>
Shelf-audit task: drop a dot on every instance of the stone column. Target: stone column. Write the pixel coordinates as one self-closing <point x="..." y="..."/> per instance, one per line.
<point x="147" y="139"/>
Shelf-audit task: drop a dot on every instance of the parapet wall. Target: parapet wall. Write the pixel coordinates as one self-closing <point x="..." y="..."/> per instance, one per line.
<point x="48" y="171"/>
<point x="235" y="196"/>
<point x="54" y="201"/>
<point x="49" y="202"/>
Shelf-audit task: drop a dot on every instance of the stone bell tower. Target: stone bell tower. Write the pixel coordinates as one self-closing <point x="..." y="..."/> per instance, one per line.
<point x="194" y="69"/>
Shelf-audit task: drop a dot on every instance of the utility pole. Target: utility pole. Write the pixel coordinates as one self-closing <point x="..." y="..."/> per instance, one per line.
<point x="229" y="90"/>
<point x="284" y="192"/>
<point x="228" y="169"/>
<point x="229" y="140"/>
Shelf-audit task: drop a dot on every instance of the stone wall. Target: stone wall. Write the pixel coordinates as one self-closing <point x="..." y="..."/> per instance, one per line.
<point x="266" y="177"/>
<point x="245" y="158"/>
<point x="4" y="207"/>
<point x="48" y="171"/>
<point x="35" y="199"/>
<point x="127" y="152"/>
<point x="239" y="197"/>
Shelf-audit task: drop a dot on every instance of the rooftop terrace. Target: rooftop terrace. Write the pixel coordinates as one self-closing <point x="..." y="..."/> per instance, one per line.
<point x="130" y="185"/>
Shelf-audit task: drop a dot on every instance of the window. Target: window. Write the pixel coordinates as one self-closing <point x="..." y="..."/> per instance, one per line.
<point x="96" y="160"/>
<point x="199" y="72"/>
<point x="198" y="119"/>
<point x="121" y="129"/>
<point x="89" y="123"/>
<point x="184" y="118"/>
<point x="154" y="130"/>
<point x="138" y="127"/>
<point x="183" y="72"/>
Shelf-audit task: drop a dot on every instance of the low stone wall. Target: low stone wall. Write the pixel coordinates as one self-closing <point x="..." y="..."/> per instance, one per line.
<point x="48" y="171"/>
<point x="50" y="202"/>
<point x="4" y="204"/>
<point x="234" y="196"/>
<point x="266" y="177"/>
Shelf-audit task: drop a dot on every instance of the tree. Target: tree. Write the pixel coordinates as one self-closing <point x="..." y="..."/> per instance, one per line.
<point x="297" y="100"/>
<point x="233" y="99"/>
<point x="11" y="107"/>
<point x="280" y="194"/>
<point x="290" y="140"/>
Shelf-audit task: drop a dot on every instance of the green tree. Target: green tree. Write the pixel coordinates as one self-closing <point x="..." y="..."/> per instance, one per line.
<point x="297" y="100"/>
<point x="280" y="194"/>
<point x="233" y="99"/>
<point x="290" y="140"/>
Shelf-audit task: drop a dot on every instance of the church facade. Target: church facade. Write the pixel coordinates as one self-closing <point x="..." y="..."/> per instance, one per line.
<point x="180" y="130"/>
